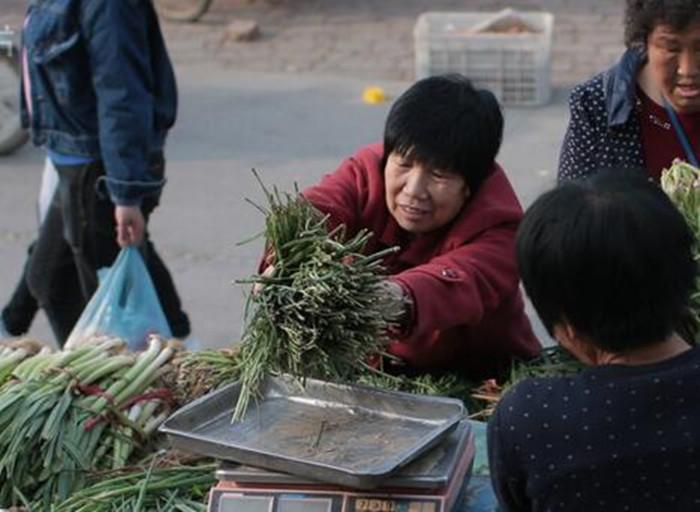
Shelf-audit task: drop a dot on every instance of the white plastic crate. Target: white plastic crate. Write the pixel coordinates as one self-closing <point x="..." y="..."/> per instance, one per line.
<point x="516" y="67"/>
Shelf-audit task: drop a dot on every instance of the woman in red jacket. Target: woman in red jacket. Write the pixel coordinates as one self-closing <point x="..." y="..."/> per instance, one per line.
<point x="434" y="189"/>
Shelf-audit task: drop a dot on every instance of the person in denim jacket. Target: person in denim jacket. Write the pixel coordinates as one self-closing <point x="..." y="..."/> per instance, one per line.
<point x="99" y="95"/>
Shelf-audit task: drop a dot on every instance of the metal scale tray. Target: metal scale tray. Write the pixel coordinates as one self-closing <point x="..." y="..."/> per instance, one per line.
<point x="352" y="436"/>
<point x="433" y="470"/>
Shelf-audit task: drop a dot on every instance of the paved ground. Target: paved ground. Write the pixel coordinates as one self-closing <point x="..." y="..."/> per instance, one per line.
<point x="371" y="39"/>
<point x="374" y="38"/>
<point x="290" y="106"/>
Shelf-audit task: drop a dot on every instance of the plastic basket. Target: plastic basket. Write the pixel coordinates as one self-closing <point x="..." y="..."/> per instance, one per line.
<point x="516" y="67"/>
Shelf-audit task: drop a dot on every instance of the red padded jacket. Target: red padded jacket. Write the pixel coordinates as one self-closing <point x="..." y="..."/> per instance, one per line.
<point x="468" y="311"/>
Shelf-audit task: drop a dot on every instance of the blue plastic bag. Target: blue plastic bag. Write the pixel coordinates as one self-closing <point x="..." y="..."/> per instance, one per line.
<point x="125" y="305"/>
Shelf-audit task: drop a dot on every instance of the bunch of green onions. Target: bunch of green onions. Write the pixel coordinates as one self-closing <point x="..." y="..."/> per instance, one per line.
<point x="681" y="182"/>
<point x="321" y="313"/>
<point x="12" y="353"/>
<point x="194" y="374"/>
<point x="480" y="398"/>
<point x="173" y="488"/>
<point x="552" y="362"/>
<point x="63" y="415"/>
<point x="449" y="384"/>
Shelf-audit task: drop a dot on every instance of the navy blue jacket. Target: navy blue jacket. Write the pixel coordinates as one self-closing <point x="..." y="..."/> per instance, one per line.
<point x="612" y="438"/>
<point x="604" y="130"/>
<point x="102" y="86"/>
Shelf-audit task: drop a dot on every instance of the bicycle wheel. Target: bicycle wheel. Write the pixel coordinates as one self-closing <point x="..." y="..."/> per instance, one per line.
<point x="12" y="135"/>
<point x="182" y="10"/>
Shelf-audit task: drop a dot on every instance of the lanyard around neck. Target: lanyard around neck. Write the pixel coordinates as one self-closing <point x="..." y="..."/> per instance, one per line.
<point x="680" y="133"/>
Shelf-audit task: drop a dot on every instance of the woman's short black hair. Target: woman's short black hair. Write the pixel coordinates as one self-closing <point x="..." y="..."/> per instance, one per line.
<point x="641" y="16"/>
<point x="612" y="256"/>
<point x="444" y="122"/>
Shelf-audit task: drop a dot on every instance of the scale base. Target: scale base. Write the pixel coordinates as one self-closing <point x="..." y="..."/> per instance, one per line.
<point x="232" y="496"/>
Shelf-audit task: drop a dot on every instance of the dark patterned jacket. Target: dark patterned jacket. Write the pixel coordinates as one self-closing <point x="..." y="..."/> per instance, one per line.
<point x="604" y="130"/>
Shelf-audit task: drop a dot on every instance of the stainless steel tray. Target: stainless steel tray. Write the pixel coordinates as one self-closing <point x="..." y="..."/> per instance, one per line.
<point x="432" y="470"/>
<point x="354" y="436"/>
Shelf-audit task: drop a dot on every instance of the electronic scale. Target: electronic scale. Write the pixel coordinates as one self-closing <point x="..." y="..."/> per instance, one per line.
<point x="435" y="482"/>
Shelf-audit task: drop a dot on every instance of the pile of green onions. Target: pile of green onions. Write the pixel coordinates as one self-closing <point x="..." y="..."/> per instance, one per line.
<point x="449" y="384"/>
<point x="681" y="182"/>
<point x="66" y="414"/>
<point x="194" y="374"/>
<point x="173" y="488"/>
<point x="480" y="398"/>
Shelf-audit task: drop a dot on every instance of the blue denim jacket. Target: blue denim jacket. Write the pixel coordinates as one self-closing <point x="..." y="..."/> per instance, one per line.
<point x="102" y="86"/>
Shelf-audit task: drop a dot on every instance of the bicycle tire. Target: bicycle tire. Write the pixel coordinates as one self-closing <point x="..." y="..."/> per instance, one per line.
<point x="15" y="136"/>
<point x="194" y="10"/>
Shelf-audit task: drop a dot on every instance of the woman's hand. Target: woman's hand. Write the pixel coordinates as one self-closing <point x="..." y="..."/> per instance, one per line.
<point x="268" y="272"/>
<point x="396" y="303"/>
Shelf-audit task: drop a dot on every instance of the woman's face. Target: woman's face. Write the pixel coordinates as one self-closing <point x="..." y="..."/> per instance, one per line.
<point x="674" y="64"/>
<point x="422" y="199"/>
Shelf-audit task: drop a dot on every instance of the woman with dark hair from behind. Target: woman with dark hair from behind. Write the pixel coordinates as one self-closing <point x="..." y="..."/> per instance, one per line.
<point x="608" y="265"/>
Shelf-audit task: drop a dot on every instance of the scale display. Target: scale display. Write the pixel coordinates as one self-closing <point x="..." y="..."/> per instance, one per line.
<point x="227" y="501"/>
<point x="244" y="504"/>
<point x="393" y="505"/>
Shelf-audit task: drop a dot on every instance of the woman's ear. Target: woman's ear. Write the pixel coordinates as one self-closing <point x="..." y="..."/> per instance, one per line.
<point x="576" y="344"/>
<point x="564" y="334"/>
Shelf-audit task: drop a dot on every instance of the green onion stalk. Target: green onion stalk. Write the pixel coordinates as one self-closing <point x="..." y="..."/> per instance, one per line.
<point x="321" y="313"/>
<point x="13" y="353"/>
<point x="173" y="488"/>
<point x="681" y="182"/>
<point x="9" y="360"/>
